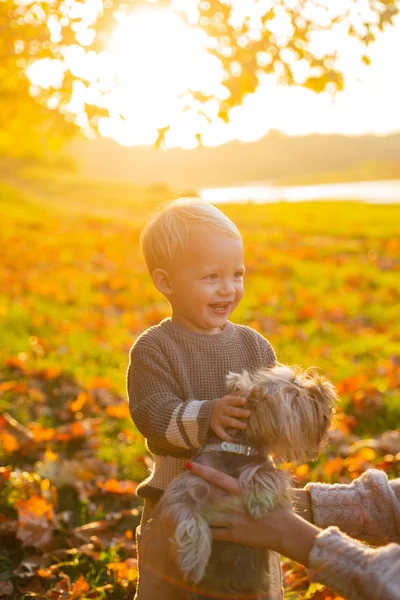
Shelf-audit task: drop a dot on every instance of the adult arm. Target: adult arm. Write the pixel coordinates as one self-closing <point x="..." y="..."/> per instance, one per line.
<point x="367" y="509"/>
<point x="349" y="567"/>
<point x="354" y="570"/>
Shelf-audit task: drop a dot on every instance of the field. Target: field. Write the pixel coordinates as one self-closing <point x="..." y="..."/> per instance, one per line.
<point x="322" y="285"/>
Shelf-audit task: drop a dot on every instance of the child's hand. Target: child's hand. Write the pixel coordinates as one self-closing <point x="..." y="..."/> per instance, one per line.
<point x="226" y="413"/>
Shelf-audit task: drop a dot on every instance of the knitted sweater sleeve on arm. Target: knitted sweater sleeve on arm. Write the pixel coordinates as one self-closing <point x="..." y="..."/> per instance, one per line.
<point x="268" y="356"/>
<point x="354" y="570"/>
<point x="367" y="509"/>
<point x="156" y="405"/>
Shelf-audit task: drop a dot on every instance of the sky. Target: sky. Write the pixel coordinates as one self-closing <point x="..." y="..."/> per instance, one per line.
<point x="155" y="57"/>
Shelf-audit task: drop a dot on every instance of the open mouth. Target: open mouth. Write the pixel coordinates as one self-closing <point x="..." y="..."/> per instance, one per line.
<point x="220" y="306"/>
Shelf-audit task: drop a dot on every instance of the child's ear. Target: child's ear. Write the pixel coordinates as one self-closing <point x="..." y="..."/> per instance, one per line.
<point x="162" y="281"/>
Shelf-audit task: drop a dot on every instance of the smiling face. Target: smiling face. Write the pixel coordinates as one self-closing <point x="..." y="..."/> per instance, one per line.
<point x="206" y="284"/>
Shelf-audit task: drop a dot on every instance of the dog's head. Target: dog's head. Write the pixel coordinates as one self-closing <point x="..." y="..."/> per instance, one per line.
<point x="290" y="409"/>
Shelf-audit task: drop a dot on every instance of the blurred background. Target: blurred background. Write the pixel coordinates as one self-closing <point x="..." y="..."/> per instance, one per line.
<point x="283" y="112"/>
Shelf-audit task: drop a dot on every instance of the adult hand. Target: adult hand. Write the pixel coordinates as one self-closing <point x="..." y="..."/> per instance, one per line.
<point x="301" y="498"/>
<point x="281" y="530"/>
<point x="222" y="480"/>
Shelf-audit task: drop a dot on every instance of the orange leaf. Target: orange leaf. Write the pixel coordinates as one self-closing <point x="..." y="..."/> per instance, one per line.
<point x="119" y="411"/>
<point x="37" y="522"/>
<point x="358" y="397"/>
<point x="79" y="587"/>
<point x="77" y="429"/>
<point x="302" y="470"/>
<point x="5" y="473"/>
<point x="307" y="312"/>
<point x="40" y="433"/>
<point x="114" y="486"/>
<point x="333" y="465"/>
<point x="51" y="372"/>
<point x="13" y="386"/>
<point x="99" y="382"/>
<point x="50" y="456"/>
<point x="9" y="442"/>
<point x="124" y="570"/>
<point x="15" y="362"/>
<point x="78" y="404"/>
<point x="366" y="454"/>
<point x="45" y="572"/>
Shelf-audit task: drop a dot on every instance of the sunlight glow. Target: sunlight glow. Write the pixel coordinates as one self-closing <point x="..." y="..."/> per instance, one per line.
<point x="171" y="57"/>
<point x="154" y="57"/>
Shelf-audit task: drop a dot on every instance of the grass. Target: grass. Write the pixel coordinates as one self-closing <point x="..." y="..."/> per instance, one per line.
<point x="322" y="285"/>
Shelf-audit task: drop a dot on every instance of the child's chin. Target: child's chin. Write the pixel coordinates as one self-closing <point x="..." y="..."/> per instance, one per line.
<point x="219" y="315"/>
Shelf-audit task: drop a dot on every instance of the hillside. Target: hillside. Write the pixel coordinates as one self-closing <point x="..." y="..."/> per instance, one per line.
<point x="276" y="156"/>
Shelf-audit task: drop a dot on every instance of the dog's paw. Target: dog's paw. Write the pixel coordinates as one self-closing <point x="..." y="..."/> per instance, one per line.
<point x="193" y="546"/>
<point x="264" y="489"/>
<point x="258" y="504"/>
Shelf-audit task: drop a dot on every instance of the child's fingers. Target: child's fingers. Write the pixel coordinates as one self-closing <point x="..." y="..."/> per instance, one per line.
<point x="220" y="431"/>
<point x="241" y="413"/>
<point x="231" y="422"/>
<point x="235" y="400"/>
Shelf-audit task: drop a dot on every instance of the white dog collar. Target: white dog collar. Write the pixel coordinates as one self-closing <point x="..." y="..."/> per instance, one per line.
<point x="230" y="447"/>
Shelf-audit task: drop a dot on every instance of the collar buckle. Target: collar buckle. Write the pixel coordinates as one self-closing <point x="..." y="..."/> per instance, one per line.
<point x="231" y="447"/>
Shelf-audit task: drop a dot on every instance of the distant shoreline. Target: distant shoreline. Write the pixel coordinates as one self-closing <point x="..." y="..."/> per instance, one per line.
<point x="372" y="192"/>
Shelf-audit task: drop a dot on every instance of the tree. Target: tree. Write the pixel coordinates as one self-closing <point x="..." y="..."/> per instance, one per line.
<point x="251" y="38"/>
<point x="27" y="126"/>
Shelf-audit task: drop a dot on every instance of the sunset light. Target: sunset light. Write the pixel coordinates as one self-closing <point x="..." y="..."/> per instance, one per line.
<point x="156" y="61"/>
<point x="154" y="58"/>
<point x="191" y="190"/>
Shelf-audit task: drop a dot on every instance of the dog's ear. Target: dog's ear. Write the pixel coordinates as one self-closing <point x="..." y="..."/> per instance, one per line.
<point x="323" y="397"/>
<point x="313" y="404"/>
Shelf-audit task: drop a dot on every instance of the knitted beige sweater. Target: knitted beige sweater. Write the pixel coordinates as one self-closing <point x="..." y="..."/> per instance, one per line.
<point x="174" y="377"/>
<point x="367" y="509"/>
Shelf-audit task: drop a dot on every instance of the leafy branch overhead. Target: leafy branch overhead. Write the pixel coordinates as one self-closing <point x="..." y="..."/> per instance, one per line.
<point x="290" y="40"/>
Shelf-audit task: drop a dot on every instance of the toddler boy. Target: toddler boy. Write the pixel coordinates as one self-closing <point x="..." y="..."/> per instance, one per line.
<point x="177" y="371"/>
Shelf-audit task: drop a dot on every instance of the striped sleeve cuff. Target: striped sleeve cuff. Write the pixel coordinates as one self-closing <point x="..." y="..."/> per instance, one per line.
<point x="204" y="420"/>
<point x="189" y="424"/>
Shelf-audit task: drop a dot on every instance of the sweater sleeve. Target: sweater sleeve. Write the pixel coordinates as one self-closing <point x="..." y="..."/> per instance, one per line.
<point x="268" y="357"/>
<point x="156" y="405"/>
<point x="367" y="509"/>
<point x="354" y="570"/>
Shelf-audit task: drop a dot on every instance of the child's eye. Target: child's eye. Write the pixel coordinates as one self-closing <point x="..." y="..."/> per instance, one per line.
<point x="211" y="276"/>
<point x="239" y="274"/>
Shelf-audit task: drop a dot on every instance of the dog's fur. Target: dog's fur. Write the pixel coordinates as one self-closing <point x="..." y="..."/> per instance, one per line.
<point x="290" y="412"/>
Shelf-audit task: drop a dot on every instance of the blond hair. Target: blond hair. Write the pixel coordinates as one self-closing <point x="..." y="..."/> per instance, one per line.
<point x="167" y="233"/>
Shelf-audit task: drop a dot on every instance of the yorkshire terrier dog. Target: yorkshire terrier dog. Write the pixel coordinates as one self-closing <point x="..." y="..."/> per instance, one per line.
<point x="290" y="413"/>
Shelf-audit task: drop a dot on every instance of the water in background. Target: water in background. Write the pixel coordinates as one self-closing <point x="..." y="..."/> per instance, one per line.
<point x="376" y="192"/>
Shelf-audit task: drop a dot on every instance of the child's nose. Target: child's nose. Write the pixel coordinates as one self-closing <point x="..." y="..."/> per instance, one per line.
<point x="227" y="287"/>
